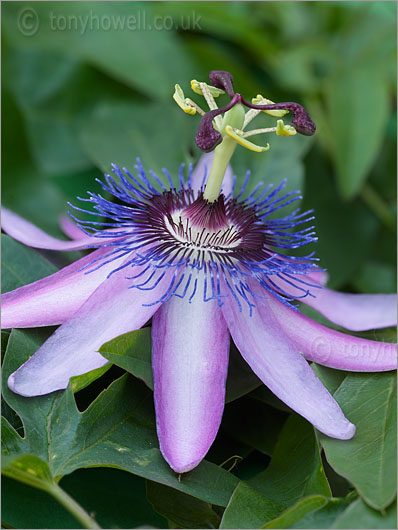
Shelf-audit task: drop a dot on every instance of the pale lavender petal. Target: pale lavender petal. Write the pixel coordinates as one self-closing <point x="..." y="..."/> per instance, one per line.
<point x="201" y="173"/>
<point x="27" y="233"/>
<point x="320" y="277"/>
<point x="276" y="361"/>
<point x="190" y="364"/>
<point x="70" y="229"/>
<point x="111" y="310"/>
<point x="332" y="348"/>
<point x="357" y="312"/>
<point x="54" y="299"/>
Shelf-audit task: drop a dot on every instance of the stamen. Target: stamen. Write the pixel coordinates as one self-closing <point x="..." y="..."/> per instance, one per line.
<point x="208" y="96"/>
<point x="301" y="119"/>
<point x="237" y="135"/>
<point x="195" y="106"/>
<point x="211" y="103"/>
<point x="258" y="131"/>
<point x="215" y="92"/>
<point x="182" y="101"/>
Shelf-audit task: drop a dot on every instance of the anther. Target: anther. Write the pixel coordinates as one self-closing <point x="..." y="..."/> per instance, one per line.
<point x="301" y="120"/>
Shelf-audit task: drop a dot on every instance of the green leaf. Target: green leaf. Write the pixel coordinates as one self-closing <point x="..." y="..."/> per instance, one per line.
<point x="5" y="335"/>
<point x="248" y="509"/>
<point x="118" y="133"/>
<point x="297" y="512"/>
<point x="117" y="430"/>
<point x="51" y="94"/>
<point x="40" y="510"/>
<point x="33" y="471"/>
<point x="345" y="234"/>
<point x="241" y="378"/>
<point x="295" y="471"/>
<point x="184" y="510"/>
<point x="259" y="429"/>
<point x="11" y="442"/>
<point x="236" y="24"/>
<point x="21" y="265"/>
<point x="358" y="105"/>
<point x="29" y="469"/>
<point x="359" y="515"/>
<point x="132" y="352"/>
<point x="296" y="468"/>
<point x="78" y="382"/>
<point x="374" y="277"/>
<point x="118" y="500"/>
<point x="101" y="36"/>
<point x="282" y="161"/>
<point x="323" y="517"/>
<point x="25" y="190"/>
<point x="369" y="459"/>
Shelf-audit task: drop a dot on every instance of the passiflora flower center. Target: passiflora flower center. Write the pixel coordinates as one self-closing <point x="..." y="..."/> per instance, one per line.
<point x="204" y="226"/>
<point x="218" y="244"/>
<point x="223" y="231"/>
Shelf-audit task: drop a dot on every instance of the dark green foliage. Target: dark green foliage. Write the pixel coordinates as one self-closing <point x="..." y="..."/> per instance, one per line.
<point x="74" y="100"/>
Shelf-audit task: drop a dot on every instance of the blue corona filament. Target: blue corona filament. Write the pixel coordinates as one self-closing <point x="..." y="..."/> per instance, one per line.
<point x="230" y="247"/>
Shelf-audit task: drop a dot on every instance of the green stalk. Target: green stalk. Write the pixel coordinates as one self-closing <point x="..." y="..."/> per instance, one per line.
<point x="223" y="153"/>
<point x="72" y="506"/>
<point x="379" y="207"/>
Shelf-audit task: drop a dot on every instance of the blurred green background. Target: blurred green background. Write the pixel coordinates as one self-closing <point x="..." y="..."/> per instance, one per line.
<point x="86" y="84"/>
<point x="90" y="83"/>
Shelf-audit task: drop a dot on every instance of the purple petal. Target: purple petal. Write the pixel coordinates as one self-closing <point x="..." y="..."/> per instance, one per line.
<point x="53" y="300"/>
<point x="357" y="312"/>
<point x="111" y="310"/>
<point x="332" y="348"/>
<point x="276" y="361"/>
<point x="70" y="229"/>
<point x="190" y="364"/>
<point x="201" y="172"/>
<point x="27" y="233"/>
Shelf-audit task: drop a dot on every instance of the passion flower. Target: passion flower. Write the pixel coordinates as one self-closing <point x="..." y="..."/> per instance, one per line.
<point x="205" y="262"/>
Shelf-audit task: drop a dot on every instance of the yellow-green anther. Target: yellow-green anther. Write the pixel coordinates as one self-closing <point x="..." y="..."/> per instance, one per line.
<point x="182" y="101"/>
<point x="194" y="105"/>
<point x="237" y="135"/>
<point x="215" y="92"/>
<point x="260" y="100"/>
<point x="284" y="130"/>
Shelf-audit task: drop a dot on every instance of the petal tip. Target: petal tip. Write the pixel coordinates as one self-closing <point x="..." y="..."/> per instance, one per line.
<point x="13" y="385"/>
<point x="180" y="461"/>
<point x="345" y="431"/>
<point x="181" y="466"/>
<point x="11" y="382"/>
<point x="349" y="432"/>
<point x="23" y="388"/>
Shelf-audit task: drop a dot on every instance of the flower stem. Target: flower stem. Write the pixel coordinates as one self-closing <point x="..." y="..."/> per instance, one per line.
<point x="223" y="153"/>
<point x="222" y="156"/>
<point x="72" y="506"/>
<point x="379" y="207"/>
